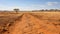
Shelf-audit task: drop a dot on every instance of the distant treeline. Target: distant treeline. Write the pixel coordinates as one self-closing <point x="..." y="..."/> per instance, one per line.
<point x="42" y="10"/>
<point x="51" y="10"/>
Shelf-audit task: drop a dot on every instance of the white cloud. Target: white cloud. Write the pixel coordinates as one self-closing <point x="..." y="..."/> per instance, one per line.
<point x="52" y="3"/>
<point x="32" y="7"/>
<point x="37" y="5"/>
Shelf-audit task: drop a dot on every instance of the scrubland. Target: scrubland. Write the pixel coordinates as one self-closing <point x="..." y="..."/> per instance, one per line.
<point x="30" y="22"/>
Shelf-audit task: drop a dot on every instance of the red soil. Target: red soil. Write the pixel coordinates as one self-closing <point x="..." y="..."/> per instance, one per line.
<point x="36" y="23"/>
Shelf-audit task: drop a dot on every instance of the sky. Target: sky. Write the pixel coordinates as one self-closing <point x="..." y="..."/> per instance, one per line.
<point x="29" y="4"/>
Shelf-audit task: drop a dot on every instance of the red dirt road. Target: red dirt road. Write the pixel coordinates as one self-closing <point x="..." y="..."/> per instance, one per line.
<point x="31" y="23"/>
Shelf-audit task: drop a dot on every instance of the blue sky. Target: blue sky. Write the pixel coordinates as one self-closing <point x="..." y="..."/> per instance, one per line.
<point x="29" y="4"/>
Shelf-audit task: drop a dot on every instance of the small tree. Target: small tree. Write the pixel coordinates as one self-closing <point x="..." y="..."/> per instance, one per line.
<point x="56" y="10"/>
<point x="16" y="10"/>
<point x="42" y="10"/>
<point x="46" y="10"/>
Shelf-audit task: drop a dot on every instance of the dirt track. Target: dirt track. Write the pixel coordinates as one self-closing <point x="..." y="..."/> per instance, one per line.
<point x="36" y="23"/>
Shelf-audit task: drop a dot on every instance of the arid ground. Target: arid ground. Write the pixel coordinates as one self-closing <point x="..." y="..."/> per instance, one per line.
<point x="30" y="23"/>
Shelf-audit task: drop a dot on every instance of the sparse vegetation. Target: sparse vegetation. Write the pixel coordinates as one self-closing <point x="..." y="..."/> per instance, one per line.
<point x="30" y="22"/>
